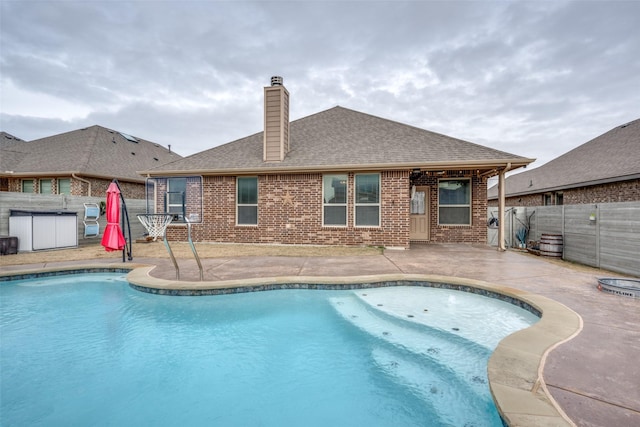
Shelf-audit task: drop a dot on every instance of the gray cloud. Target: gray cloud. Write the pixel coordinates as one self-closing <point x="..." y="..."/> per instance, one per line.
<point x="535" y="78"/>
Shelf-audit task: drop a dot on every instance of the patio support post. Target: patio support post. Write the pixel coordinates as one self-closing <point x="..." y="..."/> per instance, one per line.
<point x="501" y="195"/>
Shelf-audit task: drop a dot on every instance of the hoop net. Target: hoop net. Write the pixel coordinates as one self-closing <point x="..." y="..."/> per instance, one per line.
<point x="156" y="224"/>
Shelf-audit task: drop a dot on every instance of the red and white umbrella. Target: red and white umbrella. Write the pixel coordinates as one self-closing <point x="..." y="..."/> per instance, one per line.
<point x="113" y="239"/>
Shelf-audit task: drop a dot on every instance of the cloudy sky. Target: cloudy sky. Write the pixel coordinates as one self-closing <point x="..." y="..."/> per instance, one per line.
<point x="534" y="78"/>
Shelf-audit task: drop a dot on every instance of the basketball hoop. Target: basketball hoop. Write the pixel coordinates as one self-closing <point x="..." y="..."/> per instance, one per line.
<point x="156" y="224"/>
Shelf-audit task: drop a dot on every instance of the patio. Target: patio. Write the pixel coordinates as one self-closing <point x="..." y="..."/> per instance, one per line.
<point x="594" y="377"/>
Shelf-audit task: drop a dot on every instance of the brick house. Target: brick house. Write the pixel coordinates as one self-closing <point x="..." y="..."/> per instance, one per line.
<point x="7" y="157"/>
<point x="80" y="163"/>
<point x="603" y="170"/>
<point x="338" y="177"/>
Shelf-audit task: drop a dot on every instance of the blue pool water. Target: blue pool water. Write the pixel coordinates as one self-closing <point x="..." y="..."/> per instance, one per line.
<point x="89" y="350"/>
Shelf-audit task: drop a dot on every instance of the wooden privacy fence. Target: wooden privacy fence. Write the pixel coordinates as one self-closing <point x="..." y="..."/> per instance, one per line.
<point x="9" y="200"/>
<point x="605" y="235"/>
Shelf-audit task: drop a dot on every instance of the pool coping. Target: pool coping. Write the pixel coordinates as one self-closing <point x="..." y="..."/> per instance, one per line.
<point x="514" y="369"/>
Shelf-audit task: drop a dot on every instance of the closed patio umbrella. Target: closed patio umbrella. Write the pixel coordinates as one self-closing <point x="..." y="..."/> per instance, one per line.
<point x="113" y="239"/>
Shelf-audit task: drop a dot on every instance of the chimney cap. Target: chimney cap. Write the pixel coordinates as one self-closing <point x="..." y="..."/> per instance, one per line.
<point x="276" y="81"/>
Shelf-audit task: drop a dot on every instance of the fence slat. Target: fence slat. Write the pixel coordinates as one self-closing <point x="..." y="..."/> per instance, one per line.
<point x="611" y="241"/>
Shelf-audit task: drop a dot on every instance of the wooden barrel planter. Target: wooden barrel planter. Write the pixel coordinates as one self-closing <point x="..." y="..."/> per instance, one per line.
<point x="551" y="245"/>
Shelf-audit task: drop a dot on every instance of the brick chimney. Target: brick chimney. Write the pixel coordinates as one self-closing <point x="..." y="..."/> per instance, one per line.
<point x="276" y="121"/>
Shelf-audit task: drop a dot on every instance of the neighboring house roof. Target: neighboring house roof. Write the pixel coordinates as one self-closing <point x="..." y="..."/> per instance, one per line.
<point x="90" y="152"/>
<point x="612" y="156"/>
<point x="8" y="139"/>
<point x="344" y="139"/>
<point x="12" y="150"/>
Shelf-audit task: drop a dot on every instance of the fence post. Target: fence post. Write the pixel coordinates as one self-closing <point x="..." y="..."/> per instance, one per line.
<point x="562" y="224"/>
<point x="564" y="238"/>
<point x="598" y="236"/>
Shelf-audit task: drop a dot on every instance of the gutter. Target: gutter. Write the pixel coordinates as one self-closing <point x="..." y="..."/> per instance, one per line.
<point x="11" y="174"/>
<point x="508" y="167"/>
<point x="85" y="181"/>
<point x="265" y="170"/>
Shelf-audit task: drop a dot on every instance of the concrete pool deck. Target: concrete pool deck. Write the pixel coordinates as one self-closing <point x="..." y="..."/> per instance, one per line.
<point x="593" y="377"/>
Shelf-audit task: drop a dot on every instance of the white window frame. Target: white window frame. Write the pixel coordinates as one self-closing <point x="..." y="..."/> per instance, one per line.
<point x="469" y="205"/>
<point x="238" y="204"/>
<point x="344" y="205"/>
<point x="356" y="204"/>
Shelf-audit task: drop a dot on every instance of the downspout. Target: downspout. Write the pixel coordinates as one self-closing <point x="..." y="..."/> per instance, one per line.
<point x="85" y="181"/>
<point x="501" y="197"/>
<point x="146" y="194"/>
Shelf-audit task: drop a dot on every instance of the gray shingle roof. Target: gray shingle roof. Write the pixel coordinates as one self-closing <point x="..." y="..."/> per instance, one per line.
<point x="93" y="151"/>
<point x="12" y="150"/>
<point x="343" y="138"/>
<point x="7" y="139"/>
<point x="612" y="156"/>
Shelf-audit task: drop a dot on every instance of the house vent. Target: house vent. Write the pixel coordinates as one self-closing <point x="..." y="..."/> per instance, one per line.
<point x="276" y="81"/>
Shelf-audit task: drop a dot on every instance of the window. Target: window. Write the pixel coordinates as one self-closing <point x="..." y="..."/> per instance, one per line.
<point x="64" y="186"/>
<point x="247" y="201"/>
<point x="454" y="202"/>
<point x="546" y="199"/>
<point x="559" y="199"/>
<point x="45" y="186"/>
<point x="150" y="190"/>
<point x="181" y="197"/>
<point x="175" y="199"/>
<point x="27" y="186"/>
<point x="367" y="200"/>
<point x="334" y="199"/>
<point x="418" y="199"/>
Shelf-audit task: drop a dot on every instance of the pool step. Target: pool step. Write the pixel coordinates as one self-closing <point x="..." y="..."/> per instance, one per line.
<point x="433" y="386"/>
<point x="447" y="352"/>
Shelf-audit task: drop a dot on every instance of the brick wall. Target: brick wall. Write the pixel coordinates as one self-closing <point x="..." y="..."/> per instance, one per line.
<point x="622" y="191"/>
<point x="527" y="200"/>
<point x="474" y="233"/>
<point x="290" y="212"/>
<point x="14" y="185"/>
<point x="130" y="190"/>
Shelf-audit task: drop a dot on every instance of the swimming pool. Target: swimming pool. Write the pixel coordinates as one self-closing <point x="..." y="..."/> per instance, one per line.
<point x="89" y="350"/>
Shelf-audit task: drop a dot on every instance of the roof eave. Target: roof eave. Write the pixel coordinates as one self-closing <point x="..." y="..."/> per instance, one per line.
<point x="13" y="174"/>
<point x="52" y="174"/>
<point x="484" y="165"/>
<point x="571" y="186"/>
